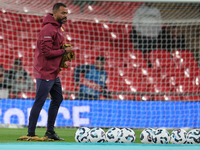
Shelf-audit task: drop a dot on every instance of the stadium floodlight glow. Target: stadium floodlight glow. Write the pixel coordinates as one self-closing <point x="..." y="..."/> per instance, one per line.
<point x="90" y="8"/>
<point x="25" y="9"/>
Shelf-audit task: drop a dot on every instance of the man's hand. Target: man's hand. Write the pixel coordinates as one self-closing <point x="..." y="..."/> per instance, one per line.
<point x="68" y="49"/>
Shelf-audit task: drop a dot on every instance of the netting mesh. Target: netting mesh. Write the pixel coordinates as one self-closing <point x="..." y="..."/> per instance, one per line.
<point x="151" y="49"/>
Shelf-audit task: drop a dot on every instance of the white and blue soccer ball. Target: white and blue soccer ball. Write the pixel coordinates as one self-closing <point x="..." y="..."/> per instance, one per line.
<point x="178" y="136"/>
<point x="96" y="135"/>
<point x="193" y="136"/>
<point x="127" y="135"/>
<point x="147" y="135"/>
<point x="81" y="135"/>
<point x="161" y="136"/>
<point x="112" y="135"/>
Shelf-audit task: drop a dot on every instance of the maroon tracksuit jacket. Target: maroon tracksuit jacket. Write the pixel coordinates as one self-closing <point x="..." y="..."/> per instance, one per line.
<point x="48" y="53"/>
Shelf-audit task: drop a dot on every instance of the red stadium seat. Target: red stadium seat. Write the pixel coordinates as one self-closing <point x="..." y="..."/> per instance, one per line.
<point x="29" y="69"/>
<point x="149" y="72"/>
<point x="191" y="98"/>
<point x="81" y="44"/>
<point x="15" y="26"/>
<point x="171" y="72"/>
<point x="28" y="36"/>
<point x="31" y="18"/>
<point x="28" y="61"/>
<point x="118" y="10"/>
<point x="73" y="36"/>
<point x="197" y="81"/>
<point x="152" y="80"/>
<point x="133" y="84"/>
<point x="66" y="77"/>
<point x="136" y="72"/>
<point x="125" y="28"/>
<point x="113" y="82"/>
<point x="26" y="95"/>
<point x="93" y="9"/>
<point x="73" y="9"/>
<point x="126" y="97"/>
<point x="35" y="27"/>
<point x="9" y="17"/>
<point x="114" y="36"/>
<point x="84" y="26"/>
<point x="98" y="36"/>
<point x="8" y="54"/>
<point x="18" y="44"/>
<point x="137" y="63"/>
<point x="176" y="81"/>
<point x="29" y="53"/>
<point x="122" y="19"/>
<point x="184" y="59"/>
<point x="187" y="88"/>
<point x="10" y="35"/>
<point x="120" y="41"/>
<point x="182" y="54"/>
<point x="183" y="85"/>
<point x="114" y="63"/>
<point x="191" y="72"/>
<point x="133" y="54"/>
<point x="94" y="18"/>
<point x="168" y="98"/>
<point x="104" y="46"/>
<point x="74" y="63"/>
<point x="6" y="63"/>
<point x="159" y="88"/>
<point x="134" y="58"/>
<point x="160" y="59"/>
<point x="108" y="27"/>
<point x="185" y="63"/>
<point x="116" y="54"/>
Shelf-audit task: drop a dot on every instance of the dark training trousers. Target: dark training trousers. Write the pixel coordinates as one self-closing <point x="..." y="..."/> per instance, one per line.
<point x="44" y="87"/>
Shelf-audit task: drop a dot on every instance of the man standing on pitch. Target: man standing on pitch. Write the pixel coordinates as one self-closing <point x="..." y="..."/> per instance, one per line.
<point x="48" y="55"/>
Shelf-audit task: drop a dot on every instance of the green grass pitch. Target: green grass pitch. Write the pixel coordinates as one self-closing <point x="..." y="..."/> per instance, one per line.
<point x="8" y="135"/>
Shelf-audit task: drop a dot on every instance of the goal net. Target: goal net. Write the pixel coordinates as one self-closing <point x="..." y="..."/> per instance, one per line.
<point x="147" y="75"/>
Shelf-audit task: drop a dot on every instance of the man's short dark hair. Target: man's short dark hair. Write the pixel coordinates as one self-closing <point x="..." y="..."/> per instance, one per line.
<point x="18" y="62"/>
<point x="57" y="6"/>
<point x="101" y="58"/>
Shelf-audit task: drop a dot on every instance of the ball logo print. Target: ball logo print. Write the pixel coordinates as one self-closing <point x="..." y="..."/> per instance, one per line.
<point x="81" y="135"/>
<point x="178" y="136"/>
<point x="96" y="135"/>
<point x="147" y="135"/>
<point x="193" y="136"/>
<point x="127" y="136"/>
<point x="112" y="135"/>
<point x="161" y="136"/>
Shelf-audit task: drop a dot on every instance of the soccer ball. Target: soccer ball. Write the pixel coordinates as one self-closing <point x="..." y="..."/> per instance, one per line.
<point x="178" y="136"/>
<point x="112" y="135"/>
<point x="127" y="135"/>
<point x="147" y="135"/>
<point x="161" y="136"/>
<point x="81" y="135"/>
<point x="193" y="137"/>
<point x="96" y="135"/>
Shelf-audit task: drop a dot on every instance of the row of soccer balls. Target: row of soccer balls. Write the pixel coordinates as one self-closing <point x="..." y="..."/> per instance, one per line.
<point x="127" y="135"/>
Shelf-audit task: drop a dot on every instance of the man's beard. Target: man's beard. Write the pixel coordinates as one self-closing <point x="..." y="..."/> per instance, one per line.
<point x="61" y="20"/>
